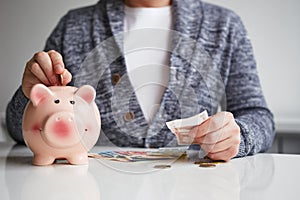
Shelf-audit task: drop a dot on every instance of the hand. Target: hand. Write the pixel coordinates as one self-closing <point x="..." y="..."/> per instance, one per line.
<point x="218" y="136"/>
<point x="44" y="67"/>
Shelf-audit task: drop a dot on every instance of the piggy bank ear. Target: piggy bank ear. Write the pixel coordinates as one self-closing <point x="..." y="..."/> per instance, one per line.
<point x="87" y="93"/>
<point x="38" y="93"/>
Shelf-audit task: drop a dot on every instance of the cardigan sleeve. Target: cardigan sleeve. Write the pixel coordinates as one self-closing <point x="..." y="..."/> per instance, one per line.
<point x="14" y="113"/>
<point x="245" y="98"/>
<point x="16" y="106"/>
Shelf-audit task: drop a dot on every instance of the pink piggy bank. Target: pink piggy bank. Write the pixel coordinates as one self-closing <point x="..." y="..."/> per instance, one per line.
<point x="61" y="122"/>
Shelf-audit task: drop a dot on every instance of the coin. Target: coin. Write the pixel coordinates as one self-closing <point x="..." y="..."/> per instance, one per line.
<point x="208" y="160"/>
<point x="207" y="165"/>
<point x="61" y="77"/>
<point x="162" y="166"/>
<point x="211" y="162"/>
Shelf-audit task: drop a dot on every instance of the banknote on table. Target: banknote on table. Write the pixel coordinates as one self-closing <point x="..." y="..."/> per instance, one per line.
<point x="133" y="156"/>
<point x="182" y="127"/>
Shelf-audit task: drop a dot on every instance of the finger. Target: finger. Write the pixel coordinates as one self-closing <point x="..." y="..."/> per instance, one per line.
<point x="213" y="123"/>
<point x="34" y="69"/>
<point x="57" y="62"/>
<point x="209" y="139"/>
<point x="221" y="145"/>
<point x="219" y="135"/>
<point x="225" y="155"/>
<point x="45" y="63"/>
<point x="66" y="77"/>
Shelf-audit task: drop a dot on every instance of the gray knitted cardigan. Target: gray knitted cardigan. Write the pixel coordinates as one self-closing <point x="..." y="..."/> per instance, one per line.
<point x="211" y="67"/>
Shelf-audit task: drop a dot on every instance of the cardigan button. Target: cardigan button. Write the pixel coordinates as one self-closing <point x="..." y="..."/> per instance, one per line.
<point x="115" y="78"/>
<point x="128" y="116"/>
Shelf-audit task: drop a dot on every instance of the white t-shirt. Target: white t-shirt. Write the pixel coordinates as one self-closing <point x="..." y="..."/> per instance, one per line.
<point x="147" y="42"/>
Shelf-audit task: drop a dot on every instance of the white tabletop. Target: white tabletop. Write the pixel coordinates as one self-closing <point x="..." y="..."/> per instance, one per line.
<point x="263" y="176"/>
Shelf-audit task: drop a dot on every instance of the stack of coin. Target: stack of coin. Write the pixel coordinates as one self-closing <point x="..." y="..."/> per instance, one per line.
<point x="206" y="162"/>
<point x="162" y="166"/>
<point x="207" y="165"/>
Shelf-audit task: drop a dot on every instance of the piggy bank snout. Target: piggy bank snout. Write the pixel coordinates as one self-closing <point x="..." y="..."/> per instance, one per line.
<point x="61" y="130"/>
<point x="61" y="125"/>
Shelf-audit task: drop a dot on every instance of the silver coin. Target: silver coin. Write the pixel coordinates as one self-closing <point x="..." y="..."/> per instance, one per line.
<point x="162" y="166"/>
<point x="207" y="165"/>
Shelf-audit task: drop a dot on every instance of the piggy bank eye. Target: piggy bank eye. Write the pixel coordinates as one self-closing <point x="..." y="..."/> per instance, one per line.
<point x="56" y="101"/>
<point x="72" y="102"/>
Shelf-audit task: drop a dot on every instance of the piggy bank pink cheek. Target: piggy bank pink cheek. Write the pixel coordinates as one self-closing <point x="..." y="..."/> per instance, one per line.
<point x="61" y="129"/>
<point x="36" y="128"/>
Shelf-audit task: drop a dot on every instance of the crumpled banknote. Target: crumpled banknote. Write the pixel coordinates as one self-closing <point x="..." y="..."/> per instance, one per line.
<point x="182" y="127"/>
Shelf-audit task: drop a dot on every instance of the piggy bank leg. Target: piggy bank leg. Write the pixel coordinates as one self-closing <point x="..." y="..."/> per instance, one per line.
<point x="78" y="159"/>
<point x="41" y="160"/>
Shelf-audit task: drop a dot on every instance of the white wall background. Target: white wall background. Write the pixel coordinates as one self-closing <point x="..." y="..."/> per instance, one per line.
<point x="274" y="29"/>
<point x="273" y="26"/>
<point x="25" y="25"/>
